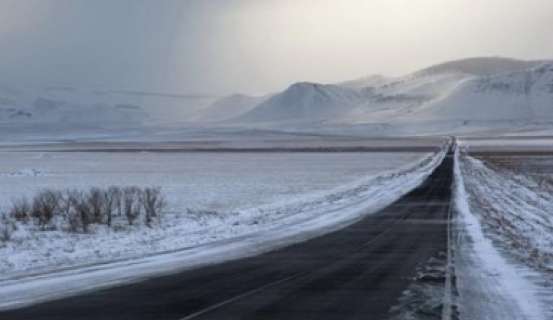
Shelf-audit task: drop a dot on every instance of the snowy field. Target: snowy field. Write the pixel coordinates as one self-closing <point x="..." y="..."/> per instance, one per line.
<point x="504" y="255"/>
<point x="512" y="145"/>
<point x="222" y="182"/>
<point x="210" y="195"/>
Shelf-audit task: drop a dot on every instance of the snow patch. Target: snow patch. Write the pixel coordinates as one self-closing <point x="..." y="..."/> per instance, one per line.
<point x="490" y="285"/>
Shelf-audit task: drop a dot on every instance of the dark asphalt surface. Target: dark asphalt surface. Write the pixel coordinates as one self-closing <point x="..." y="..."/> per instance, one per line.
<point x="356" y="273"/>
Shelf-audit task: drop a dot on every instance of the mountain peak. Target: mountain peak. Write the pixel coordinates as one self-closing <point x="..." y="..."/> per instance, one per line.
<point x="303" y="85"/>
<point x="305" y="101"/>
<point x="481" y="66"/>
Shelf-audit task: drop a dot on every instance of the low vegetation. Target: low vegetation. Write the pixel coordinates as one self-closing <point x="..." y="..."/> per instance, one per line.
<point x="77" y="211"/>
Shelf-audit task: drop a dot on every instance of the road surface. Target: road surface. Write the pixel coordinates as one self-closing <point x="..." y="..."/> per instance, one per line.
<point x="356" y="273"/>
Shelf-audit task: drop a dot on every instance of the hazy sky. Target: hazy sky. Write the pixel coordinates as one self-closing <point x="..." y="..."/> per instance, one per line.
<point x="255" y="46"/>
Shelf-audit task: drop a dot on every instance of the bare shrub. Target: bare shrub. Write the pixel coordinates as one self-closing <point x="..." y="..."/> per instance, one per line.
<point x="66" y="204"/>
<point x="44" y="207"/>
<point x="116" y="194"/>
<point x="131" y="203"/>
<point x="153" y="203"/>
<point x="79" y="213"/>
<point x="81" y="209"/>
<point x="21" y="209"/>
<point x="69" y="212"/>
<point x="96" y="199"/>
<point x="7" y="227"/>
<point x="112" y="202"/>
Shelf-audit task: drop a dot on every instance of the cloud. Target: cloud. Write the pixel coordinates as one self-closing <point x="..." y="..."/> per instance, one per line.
<point x="222" y="46"/>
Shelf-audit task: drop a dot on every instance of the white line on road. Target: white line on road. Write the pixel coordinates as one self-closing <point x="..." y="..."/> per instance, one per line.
<point x="238" y="297"/>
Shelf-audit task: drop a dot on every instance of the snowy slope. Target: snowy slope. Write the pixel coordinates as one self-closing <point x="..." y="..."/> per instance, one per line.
<point x="304" y="100"/>
<point x="375" y="80"/>
<point x="519" y="95"/>
<point x="230" y="107"/>
<point x="353" y="102"/>
<point x="403" y="96"/>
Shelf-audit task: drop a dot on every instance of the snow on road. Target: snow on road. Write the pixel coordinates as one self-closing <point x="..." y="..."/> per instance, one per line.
<point x="500" y="226"/>
<point x="244" y="233"/>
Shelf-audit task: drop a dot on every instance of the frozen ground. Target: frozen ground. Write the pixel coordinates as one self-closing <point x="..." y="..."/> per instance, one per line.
<point x="222" y="182"/>
<point x="504" y="260"/>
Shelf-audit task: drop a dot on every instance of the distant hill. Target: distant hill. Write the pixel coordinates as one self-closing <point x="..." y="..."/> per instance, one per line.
<point x="87" y="106"/>
<point x="306" y="101"/>
<point x="475" y="89"/>
<point x="439" y="99"/>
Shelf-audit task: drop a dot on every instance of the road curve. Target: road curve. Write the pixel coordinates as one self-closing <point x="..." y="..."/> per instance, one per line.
<point x="356" y="273"/>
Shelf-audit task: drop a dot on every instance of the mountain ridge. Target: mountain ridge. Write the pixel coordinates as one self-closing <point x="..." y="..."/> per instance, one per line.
<point x="425" y="94"/>
<point x="482" y="90"/>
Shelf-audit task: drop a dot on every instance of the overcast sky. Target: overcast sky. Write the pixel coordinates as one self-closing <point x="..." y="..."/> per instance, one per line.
<point x="256" y="46"/>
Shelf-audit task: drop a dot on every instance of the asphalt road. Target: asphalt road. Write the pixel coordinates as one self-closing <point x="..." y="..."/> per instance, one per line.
<point x="356" y="273"/>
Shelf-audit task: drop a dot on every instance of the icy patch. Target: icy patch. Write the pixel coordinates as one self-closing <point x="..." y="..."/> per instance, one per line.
<point x="490" y="285"/>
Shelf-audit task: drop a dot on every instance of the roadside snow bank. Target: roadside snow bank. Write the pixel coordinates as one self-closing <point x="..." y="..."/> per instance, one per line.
<point x="515" y="211"/>
<point x="192" y="240"/>
<point x="492" y="215"/>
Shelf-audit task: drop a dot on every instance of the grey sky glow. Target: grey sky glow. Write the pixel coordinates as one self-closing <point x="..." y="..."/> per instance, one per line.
<point x="256" y="46"/>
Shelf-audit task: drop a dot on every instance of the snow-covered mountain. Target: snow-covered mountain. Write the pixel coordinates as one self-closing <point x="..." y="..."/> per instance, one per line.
<point x="476" y="89"/>
<point x="455" y="96"/>
<point x="481" y="66"/>
<point x="306" y="101"/>
<point x="521" y="95"/>
<point x="93" y="107"/>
